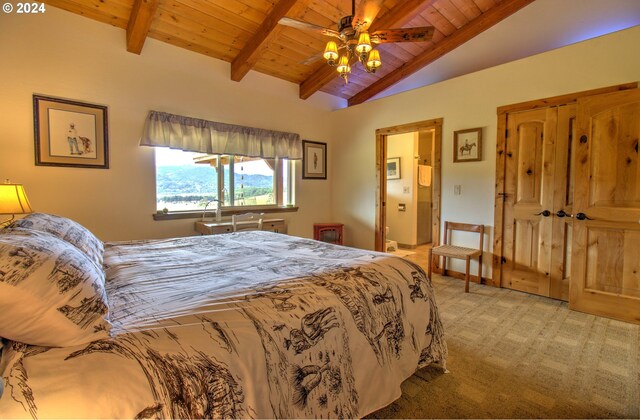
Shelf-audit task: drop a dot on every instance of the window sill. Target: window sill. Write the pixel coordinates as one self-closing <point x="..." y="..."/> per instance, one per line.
<point x="195" y="214"/>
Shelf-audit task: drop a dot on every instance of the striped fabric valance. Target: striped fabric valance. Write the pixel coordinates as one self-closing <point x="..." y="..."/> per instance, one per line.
<point x="196" y="135"/>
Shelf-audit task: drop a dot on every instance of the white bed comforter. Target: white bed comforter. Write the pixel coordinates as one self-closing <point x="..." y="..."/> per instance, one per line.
<point x="250" y="325"/>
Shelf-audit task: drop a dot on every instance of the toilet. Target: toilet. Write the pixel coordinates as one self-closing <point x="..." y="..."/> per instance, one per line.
<point x="389" y="245"/>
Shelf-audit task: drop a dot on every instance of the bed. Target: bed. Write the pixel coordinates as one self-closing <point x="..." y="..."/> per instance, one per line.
<point x="242" y="325"/>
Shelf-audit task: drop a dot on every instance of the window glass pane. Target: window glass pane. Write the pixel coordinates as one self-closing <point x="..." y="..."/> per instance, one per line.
<point x="187" y="180"/>
<point x="182" y="184"/>
<point x="253" y="181"/>
<point x="226" y="170"/>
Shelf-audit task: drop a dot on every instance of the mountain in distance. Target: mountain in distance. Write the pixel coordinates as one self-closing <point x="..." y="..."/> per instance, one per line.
<point x="188" y="179"/>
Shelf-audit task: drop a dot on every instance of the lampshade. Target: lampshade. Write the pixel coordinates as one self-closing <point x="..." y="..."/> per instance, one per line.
<point x="374" y="60"/>
<point x="364" y="43"/>
<point x="13" y="199"/>
<point x="343" y="65"/>
<point x="331" y="51"/>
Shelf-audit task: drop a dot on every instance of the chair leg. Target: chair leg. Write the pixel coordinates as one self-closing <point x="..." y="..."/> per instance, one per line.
<point x="480" y="269"/>
<point x="466" y="283"/>
<point x="429" y="262"/>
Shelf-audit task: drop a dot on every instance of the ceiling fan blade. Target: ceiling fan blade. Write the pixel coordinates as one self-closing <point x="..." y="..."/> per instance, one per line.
<point x="419" y="34"/>
<point x="311" y="60"/>
<point x="367" y="11"/>
<point x="315" y="57"/>
<point x="298" y="24"/>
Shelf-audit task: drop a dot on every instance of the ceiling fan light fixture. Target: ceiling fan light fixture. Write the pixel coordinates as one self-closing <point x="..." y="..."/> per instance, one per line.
<point x="364" y="43"/>
<point x="353" y="39"/>
<point x="331" y="53"/>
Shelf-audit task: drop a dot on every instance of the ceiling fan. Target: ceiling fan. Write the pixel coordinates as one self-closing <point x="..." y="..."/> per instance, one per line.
<point x="356" y="41"/>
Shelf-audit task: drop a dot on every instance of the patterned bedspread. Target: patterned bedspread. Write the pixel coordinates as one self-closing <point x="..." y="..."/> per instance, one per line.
<point x="249" y="325"/>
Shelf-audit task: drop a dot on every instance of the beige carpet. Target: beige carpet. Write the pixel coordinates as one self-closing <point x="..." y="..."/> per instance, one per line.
<point x="514" y="355"/>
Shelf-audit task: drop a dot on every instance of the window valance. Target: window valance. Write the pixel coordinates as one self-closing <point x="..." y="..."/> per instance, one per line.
<point x="196" y="135"/>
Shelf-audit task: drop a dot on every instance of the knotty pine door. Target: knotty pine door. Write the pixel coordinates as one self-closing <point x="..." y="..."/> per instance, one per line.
<point x="538" y="193"/>
<point x="605" y="275"/>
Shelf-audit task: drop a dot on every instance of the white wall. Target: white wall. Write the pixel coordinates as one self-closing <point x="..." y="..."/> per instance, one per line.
<point x="467" y="102"/>
<point x="62" y="54"/>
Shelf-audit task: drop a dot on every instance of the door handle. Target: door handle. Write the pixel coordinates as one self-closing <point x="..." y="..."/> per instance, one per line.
<point x="544" y="213"/>
<point x="562" y="213"/>
<point x="582" y="216"/>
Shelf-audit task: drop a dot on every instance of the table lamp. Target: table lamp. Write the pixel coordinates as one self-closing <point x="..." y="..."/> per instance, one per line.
<point x="13" y="200"/>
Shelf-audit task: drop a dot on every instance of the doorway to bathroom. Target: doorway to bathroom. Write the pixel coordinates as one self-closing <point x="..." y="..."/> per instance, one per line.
<point x="408" y="165"/>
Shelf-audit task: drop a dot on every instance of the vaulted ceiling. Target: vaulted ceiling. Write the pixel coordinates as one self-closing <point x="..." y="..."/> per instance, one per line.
<point x="247" y="33"/>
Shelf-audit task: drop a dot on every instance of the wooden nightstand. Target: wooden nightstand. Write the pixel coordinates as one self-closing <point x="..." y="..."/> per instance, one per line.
<point x="328" y="232"/>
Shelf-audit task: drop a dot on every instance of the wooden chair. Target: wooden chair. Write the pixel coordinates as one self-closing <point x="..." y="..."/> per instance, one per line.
<point x="447" y="250"/>
<point x="246" y="221"/>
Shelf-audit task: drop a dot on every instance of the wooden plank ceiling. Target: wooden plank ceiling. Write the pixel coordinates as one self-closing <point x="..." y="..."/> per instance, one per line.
<point x="246" y="33"/>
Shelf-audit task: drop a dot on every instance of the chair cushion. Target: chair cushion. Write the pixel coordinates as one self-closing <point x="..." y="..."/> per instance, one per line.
<point x="453" y="251"/>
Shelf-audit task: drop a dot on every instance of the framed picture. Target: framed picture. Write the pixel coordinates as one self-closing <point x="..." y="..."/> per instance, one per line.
<point x="467" y="145"/>
<point x="70" y="133"/>
<point x="393" y="168"/>
<point x="314" y="160"/>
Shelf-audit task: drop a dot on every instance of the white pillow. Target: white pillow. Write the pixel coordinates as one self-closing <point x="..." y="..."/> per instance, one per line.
<point x="66" y="229"/>
<point x="51" y="294"/>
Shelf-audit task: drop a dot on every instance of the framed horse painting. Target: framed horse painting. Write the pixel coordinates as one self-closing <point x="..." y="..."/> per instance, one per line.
<point x="467" y="145"/>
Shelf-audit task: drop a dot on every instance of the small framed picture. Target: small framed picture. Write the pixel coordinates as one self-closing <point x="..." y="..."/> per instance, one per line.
<point x="314" y="160"/>
<point x="70" y="133"/>
<point x="467" y="145"/>
<point x="393" y="168"/>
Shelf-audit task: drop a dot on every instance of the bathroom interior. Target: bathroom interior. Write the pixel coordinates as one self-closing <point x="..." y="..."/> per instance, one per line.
<point x="409" y="192"/>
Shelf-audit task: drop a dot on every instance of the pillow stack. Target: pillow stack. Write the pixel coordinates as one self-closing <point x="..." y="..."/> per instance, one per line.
<point x="52" y="290"/>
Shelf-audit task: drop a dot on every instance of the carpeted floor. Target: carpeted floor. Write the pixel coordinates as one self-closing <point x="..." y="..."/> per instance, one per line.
<point x="515" y="355"/>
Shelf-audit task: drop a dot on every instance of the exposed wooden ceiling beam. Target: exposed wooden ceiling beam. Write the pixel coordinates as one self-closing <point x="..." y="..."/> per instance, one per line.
<point x="459" y="37"/>
<point x="398" y="15"/>
<point x="260" y="40"/>
<point x="139" y="24"/>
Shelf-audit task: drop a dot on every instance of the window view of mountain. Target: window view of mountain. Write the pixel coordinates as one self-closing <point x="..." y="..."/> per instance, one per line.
<point x="191" y="186"/>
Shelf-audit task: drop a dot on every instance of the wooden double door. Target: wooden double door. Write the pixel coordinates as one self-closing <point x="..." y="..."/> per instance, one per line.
<point x="571" y="204"/>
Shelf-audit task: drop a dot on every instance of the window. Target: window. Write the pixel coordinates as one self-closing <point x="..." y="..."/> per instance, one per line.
<point x="188" y="180"/>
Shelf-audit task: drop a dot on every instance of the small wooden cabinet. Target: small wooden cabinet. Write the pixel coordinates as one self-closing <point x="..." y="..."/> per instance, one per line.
<point x="215" y="228"/>
<point x="328" y="232"/>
